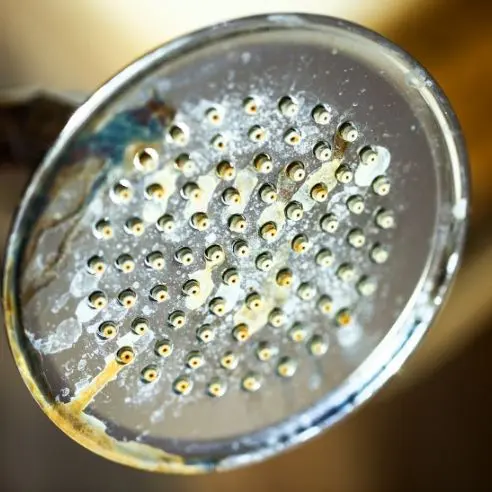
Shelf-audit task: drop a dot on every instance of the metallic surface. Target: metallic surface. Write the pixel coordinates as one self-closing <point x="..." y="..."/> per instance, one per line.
<point x="396" y="108"/>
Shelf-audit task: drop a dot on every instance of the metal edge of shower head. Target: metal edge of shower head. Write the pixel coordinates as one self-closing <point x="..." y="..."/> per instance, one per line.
<point x="386" y="359"/>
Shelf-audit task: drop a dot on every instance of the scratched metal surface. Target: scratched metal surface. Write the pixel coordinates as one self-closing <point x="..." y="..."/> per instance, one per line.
<point x="75" y="370"/>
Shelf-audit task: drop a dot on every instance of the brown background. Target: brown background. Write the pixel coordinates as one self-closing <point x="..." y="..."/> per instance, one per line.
<point x="431" y="427"/>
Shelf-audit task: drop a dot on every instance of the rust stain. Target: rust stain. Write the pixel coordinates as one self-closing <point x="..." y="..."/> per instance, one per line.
<point x="61" y="179"/>
<point x="89" y="432"/>
<point x="82" y="428"/>
<point x="339" y="147"/>
<point x="10" y="315"/>
<point x="80" y="402"/>
<point x="46" y="223"/>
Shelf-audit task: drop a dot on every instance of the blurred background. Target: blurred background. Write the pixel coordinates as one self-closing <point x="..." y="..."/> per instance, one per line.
<point x="430" y="428"/>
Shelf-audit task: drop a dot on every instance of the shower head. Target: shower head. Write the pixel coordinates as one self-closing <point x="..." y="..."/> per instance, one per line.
<point x="235" y="242"/>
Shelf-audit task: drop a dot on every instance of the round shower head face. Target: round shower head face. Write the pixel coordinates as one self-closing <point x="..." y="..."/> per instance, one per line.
<point x="234" y="242"/>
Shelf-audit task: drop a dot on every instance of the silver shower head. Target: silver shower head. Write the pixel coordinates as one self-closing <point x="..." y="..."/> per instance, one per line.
<point x="235" y="242"/>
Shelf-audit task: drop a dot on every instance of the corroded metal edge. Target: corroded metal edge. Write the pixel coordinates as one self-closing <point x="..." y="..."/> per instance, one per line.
<point x="72" y="420"/>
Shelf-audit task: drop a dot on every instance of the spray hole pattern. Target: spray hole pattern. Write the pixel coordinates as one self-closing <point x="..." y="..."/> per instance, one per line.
<point x="249" y="251"/>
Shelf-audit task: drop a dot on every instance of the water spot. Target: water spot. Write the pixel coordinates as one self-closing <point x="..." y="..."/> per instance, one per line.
<point x="60" y="302"/>
<point x="83" y="383"/>
<point x="366" y="173"/>
<point x="416" y="79"/>
<point x="204" y="277"/>
<point x="246" y="57"/>
<point x="167" y="179"/>
<point x="83" y="283"/>
<point x="314" y="382"/>
<point x="349" y="335"/>
<point x="460" y="209"/>
<point x="62" y="338"/>
<point x="84" y="312"/>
